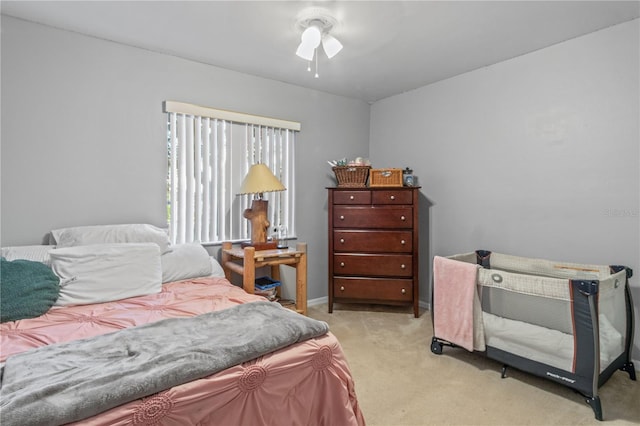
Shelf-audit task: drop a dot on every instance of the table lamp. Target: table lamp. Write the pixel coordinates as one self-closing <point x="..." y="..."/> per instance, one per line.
<point x="258" y="181"/>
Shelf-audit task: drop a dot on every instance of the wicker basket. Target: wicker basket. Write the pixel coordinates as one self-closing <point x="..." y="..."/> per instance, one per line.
<point x="385" y="177"/>
<point x="352" y="176"/>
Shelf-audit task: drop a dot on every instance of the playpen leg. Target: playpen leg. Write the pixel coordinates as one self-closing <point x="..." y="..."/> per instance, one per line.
<point x="596" y="406"/>
<point x="629" y="368"/>
<point x="504" y="371"/>
<point x="436" y="346"/>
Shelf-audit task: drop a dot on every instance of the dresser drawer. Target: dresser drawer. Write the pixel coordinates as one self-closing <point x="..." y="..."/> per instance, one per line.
<point x="373" y="241"/>
<point x="352" y="197"/>
<point x="377" y="265"/>
<point x="392" y="197"/>
<point x="374" y="289"/>
<point x="373" y="217"/>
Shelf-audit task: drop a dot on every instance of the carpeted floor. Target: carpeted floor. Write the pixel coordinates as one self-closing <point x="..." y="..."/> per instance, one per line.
<point x="399" y="381"/>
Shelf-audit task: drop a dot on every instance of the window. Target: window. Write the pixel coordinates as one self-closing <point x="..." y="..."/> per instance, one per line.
<point x="209" y="153"/>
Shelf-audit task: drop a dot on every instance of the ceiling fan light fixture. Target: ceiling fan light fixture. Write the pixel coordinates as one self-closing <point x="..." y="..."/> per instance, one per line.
<point x="310" y="40"/>
<point x="331" y="45"/>
<point x="312" y="35"/>
<point x="316" y="24"/>
<point x="305" y="51"/>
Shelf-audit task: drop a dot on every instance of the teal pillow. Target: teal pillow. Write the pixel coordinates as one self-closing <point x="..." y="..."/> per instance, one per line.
<point x="27" y="289"/>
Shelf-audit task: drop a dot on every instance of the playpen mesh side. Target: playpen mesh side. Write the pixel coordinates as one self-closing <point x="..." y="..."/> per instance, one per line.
<point x="548" y="268"/>
<point x="540" y="301"/>
<point x="612" y="316"/>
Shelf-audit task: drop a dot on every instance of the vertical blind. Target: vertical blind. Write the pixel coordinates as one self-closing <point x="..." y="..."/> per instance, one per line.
<point x="209" y="153"/>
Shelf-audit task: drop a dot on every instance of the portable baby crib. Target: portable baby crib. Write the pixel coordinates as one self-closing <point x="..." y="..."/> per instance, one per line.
<point x="569" y="323"/>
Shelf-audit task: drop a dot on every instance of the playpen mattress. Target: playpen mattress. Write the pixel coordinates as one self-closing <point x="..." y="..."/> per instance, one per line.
<point x="544" y="345"/>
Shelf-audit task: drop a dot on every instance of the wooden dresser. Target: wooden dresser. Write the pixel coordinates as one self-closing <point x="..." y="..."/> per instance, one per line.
<point x="373" y="246"/>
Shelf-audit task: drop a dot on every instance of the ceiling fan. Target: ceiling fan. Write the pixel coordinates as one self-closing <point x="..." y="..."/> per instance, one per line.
<point x="317" y="24"/>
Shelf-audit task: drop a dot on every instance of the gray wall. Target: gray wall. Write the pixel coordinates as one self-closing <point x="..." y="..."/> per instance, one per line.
<point x="537" y="156"/>
<point x="83" y="134"/>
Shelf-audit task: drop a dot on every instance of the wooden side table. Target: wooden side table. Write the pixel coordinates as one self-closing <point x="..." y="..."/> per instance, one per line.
<point x="245" y="261"/>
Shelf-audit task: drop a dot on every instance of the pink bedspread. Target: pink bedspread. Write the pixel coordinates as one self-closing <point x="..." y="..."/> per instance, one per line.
<point x="308" y="383"/>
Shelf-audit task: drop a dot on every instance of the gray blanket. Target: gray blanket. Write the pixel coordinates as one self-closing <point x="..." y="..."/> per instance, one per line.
<point x="67" y="382"/>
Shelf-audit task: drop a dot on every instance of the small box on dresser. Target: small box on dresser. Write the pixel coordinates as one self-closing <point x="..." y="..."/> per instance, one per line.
<point x="385" y="177"/>
<point x="373" y="246"/>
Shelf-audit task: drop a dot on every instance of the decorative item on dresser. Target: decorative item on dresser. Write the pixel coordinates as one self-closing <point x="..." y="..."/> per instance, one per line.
<point x="373" y="246"/>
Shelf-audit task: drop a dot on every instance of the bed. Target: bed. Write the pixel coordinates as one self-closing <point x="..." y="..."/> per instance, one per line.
<point x="570" y="323"/>
<point x="306" y="382"/>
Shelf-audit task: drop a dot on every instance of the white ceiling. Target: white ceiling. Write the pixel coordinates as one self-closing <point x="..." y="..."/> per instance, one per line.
<point x="389" y="46"/>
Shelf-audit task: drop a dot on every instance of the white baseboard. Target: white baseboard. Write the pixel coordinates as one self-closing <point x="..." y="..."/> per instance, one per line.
<point x="318" y="301"/>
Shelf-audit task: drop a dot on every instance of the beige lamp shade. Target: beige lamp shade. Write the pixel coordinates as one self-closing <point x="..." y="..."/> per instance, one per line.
<point x="259" y="180"/>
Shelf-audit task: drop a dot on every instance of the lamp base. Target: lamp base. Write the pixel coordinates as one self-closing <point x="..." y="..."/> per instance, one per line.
<point x="269" y="245"/>
<point x="257" y="216"/>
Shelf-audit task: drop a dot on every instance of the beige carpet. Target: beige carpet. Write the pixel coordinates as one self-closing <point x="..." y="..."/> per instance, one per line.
<point x="399" y="381"/>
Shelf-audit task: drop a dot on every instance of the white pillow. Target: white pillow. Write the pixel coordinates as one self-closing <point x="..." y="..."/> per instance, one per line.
<point x="216" y="268"/>
<point x="185" y="261"/>
<point x="106" y="234"/>
<point x="38" y="253"/>
<point x="105" y="272"/>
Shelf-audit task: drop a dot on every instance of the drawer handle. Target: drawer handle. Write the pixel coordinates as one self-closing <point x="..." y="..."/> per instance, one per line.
<point x="342" y="264"/>
<point x="352" y="197"/>
<point x="342" y="288"/>
<point x="402" y="218"/>
<point x="341" y="240"/>
<point x="393" y="197"/>
<point x="403" y="291"/>
<point x="403" y="266"/>
<point x="341" y="217"/>
<point x="403" y="242"/>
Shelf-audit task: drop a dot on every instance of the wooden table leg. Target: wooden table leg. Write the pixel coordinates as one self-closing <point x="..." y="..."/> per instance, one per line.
<point x="249" y="276"/>
<point x="226" y="258"/>
<point x="275" y="275"/>
<point x="301" y="279"/>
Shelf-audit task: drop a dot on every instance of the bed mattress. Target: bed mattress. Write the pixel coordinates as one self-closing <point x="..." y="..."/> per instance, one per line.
<point x="306" y="383"/>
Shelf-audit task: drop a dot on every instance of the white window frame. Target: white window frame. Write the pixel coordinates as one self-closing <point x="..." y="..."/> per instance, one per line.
<point x="206" y="171"/>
